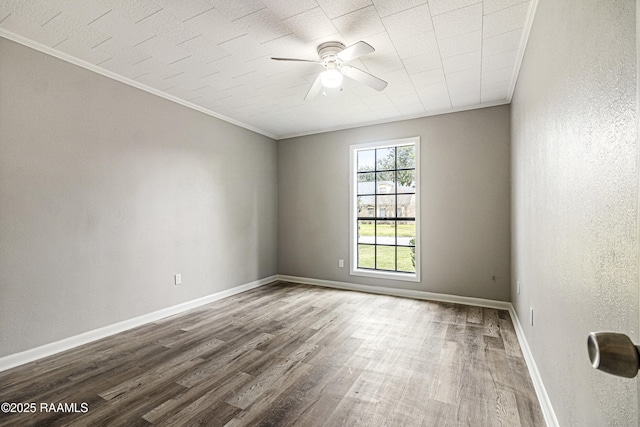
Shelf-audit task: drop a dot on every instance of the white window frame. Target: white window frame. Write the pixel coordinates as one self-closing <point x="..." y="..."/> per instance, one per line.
<point x="353" y="210"/>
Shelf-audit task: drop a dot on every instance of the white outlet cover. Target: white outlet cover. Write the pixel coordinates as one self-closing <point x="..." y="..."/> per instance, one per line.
<point x="178" y="279"/>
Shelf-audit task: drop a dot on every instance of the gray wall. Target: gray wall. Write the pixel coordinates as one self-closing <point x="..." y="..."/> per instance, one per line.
<point x="575" y="201"/>
<point x="464" y="200"/>
<point x="107" y="191"/>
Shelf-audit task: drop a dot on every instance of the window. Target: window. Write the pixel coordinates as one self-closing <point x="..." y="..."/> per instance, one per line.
<point x="385" y="208"/>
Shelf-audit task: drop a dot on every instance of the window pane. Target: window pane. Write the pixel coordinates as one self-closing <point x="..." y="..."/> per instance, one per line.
<point x="386" y="232"/>
<point x="406" y="205"/>
<point x="406" y="233"/>
<point x="406" y="181"/>
<point x="366" y="184"/>
<point x="386" y="206"/>
<point x="366" y="233"/>
<point x="406" y="157"/>
<point x="386" y="258"/>
<point x="385" y="158"/>
<point x="366" y="256"/>
<point x="406" y="259"/>
<point x="366" y="160"/>
<point x="385" y="182"/>
<point x="366" y="206"/>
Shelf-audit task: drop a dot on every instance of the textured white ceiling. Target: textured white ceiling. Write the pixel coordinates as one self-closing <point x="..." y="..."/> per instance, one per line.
<point x="214" y="55"/>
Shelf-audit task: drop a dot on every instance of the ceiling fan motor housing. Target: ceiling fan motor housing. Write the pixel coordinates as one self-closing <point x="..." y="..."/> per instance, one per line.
<point x="329" y="49"/>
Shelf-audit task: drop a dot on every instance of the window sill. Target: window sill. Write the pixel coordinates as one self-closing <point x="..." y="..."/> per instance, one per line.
<point x="389" y="275"/>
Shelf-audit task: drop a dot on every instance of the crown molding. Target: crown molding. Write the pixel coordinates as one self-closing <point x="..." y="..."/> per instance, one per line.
<point x="106" y="73"/>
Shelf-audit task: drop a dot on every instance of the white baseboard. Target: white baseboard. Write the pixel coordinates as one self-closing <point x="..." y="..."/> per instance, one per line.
<point x="407" y="293"/>
<point x="536" y="378"/>
<point x="13" y="360"/>
<point x="541" y="392"/>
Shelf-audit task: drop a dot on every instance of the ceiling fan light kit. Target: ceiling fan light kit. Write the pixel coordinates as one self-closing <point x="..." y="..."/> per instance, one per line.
<point x="331" y="78"/>
<point x="333" y="57"/>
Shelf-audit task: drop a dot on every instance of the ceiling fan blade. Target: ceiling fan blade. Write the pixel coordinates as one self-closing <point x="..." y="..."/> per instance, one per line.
<point x="315" y="89"/>
<point x="364" y="77"/>
<point x="355" y="51"/>
<point x="296" y="59"/>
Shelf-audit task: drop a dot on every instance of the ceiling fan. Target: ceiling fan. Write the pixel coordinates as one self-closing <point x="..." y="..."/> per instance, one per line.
<point x="333" y="57"/>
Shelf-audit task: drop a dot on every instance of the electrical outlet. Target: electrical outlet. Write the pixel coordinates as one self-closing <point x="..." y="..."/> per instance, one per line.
<point x="341" y="263"/>
<point x="518" y="287"/>
<point x="531" y="315"/>
<point x="177" y="279"/>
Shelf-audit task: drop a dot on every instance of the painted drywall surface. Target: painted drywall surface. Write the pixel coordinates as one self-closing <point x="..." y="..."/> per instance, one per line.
<point x="575" y="197"/>
<point x="638" y="142"/>
<point x="107" y="191"/>
<point x="464" y="203"/>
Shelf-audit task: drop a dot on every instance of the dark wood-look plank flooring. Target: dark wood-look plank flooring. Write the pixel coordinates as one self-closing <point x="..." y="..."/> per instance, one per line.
<point x="288" y="354"/>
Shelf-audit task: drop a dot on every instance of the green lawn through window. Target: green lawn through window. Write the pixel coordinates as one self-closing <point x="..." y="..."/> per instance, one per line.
<point x="387" y="230"/>
<point x="386" y="258"/>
